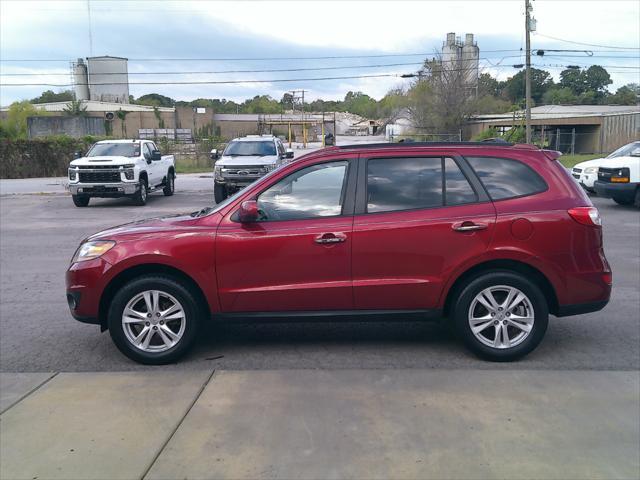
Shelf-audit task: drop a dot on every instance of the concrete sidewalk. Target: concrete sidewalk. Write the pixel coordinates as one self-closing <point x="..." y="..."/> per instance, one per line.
<point x="309" y="424"/>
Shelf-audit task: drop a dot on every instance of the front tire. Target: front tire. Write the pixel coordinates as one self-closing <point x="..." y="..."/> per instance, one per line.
<point x="154" y="319"/>
<point x="80" y="200"/>
<point x="140" y="197"/>
<point x="220" y="192"/>
<point x="169" y="187"/>
<point x="623" y="200"/>
<point x="501" y="316"/>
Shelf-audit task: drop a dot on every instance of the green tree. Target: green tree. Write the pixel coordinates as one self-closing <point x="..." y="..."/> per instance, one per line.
<point x="15" y="124"/>
<point x="360" y="104"/>
<point x="597" y="79"/>
<point x="558" y="95"/>
<point x="155" y="100"/>
<point x="75" y="109"/>
<point x="487" y="85"/>
<point x="514" y="87"/>
<point x="49" y="96"/>
<point x="627" y="95"/>
<point x="573" y="79"/>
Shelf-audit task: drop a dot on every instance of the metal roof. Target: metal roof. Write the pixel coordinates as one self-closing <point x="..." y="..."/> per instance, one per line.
<point x="545" y="112"/>
<point x="95" y="106"/>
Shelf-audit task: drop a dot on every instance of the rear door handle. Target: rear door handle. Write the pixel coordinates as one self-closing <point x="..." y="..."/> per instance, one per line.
<point x="330" y="238"/>
<point x="468" y="226"/>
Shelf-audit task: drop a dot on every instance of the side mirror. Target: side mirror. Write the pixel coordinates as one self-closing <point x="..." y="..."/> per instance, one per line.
<point x="77" y="154"/>
<point x="288" y="153"/>
<point x="248" y="211"/>
<point x="214" y="155"/>
<point x="155" y="155"/>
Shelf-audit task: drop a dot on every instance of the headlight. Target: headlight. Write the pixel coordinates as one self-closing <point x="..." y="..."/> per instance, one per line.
<point x="217" y="172"/>
<point x="591" y="170"/>
<point x="269" y="168"/>
<point x="72" y="174"/>
<point x="91" y="250"/>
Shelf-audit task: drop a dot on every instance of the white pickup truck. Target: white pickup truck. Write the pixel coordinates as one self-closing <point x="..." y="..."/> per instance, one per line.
<point x="118" y="168"/>
<point x="619" y="178"/>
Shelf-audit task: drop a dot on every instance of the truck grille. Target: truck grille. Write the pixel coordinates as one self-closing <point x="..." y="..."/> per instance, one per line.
<point x="606" y="174"/>
<point x="99" y="177"/>
<point x="241" y="170"/>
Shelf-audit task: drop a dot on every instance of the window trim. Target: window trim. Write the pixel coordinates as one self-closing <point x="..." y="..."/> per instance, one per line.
<point x="509" y="159"/>
<point x="348" y="192"/>
<point x="467" y="171"/>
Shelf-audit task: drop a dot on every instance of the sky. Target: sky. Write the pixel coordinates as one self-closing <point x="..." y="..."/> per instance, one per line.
<point x="159" y="36"/>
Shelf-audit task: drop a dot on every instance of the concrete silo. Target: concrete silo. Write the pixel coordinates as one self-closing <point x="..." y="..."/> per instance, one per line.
<point x="108" y="79"/>
<point x="451" y="52"/>
<point x="81" y="80"/>
<point x="470" y="61"/>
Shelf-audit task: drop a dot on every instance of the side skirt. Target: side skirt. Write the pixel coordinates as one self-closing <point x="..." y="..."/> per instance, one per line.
<point x="331" y="316"/>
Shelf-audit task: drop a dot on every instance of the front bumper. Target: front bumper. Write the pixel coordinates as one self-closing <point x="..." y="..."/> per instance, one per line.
<point x="586" y="180"/>
<point x="238" y="182"/>
<point x="85" y="284"/>
<point x="618" y="190"/>
<point x="104" y="189"/>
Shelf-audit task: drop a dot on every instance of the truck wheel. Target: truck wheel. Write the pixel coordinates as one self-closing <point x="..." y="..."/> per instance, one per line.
<point x="501" y="316"/>
<point x="623" y="200"/>
<point x="140" y="197"/>
<point x="169" y="186"/>
<point x="80" y="200"/>
<point x="220" y="192"/>
<point x="154" y="319"/>
<point x="636" y="200"/>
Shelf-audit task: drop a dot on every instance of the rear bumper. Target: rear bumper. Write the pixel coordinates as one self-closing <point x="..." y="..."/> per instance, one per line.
<point x="104" y="189"/>
<point x="580" y="308"/>
<point x="619" y="190"/>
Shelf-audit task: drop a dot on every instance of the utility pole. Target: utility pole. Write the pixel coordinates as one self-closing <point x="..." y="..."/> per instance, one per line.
<point x="527" y="74"/>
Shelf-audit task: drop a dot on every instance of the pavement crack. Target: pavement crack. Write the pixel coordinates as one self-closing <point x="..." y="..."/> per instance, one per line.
<point x="34" y="389"/>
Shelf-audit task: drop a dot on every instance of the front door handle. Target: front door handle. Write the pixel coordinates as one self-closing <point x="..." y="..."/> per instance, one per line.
<point x="469" y="226"/>
<point x="330" y="238"/>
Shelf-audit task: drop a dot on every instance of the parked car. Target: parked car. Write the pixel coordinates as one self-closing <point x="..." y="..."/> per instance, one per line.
<point x="587" y="172"/>
<point x="619" y="178"/>
<point x="494" y="237"/>
<point x="245" y="160"/>
<point x="119" y="168"/>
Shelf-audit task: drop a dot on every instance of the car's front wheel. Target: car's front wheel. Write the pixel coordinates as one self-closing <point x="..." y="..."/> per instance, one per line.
<point x="80" y="200"/>
<point x="220" y="192"/>
<point x="501" y="316"/>
<point x="153" y="319"/>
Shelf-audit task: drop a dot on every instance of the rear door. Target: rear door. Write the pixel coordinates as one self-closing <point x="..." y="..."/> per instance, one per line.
<point x="417" y="218"/>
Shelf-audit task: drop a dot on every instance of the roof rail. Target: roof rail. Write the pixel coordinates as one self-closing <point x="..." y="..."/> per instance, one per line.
<point x="426" y="144"/>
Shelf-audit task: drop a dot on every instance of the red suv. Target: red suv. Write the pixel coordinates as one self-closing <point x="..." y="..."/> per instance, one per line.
<point x="494" y="237"/>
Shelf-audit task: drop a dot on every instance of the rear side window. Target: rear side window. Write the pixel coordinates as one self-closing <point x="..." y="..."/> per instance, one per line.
<point x="457" y="190"/>
<point x="506" y="178"/>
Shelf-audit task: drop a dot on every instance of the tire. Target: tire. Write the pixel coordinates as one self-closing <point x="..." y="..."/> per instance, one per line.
<point x="636" y="200"/>
<point x="624" y="200"/>
<point x="484" y="343"/>
<point x="220" y="192"/>
<point x="140" y="197"/>
<point x="80" y="200"/>
<point x="170" y="186"/>
<point x="157" y="351"/>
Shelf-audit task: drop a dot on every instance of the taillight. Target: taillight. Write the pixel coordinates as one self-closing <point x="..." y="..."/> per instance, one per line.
<point x="586" y="216"/>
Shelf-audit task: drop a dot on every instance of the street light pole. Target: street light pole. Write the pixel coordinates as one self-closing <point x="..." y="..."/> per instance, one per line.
<point x="527" y="74"/>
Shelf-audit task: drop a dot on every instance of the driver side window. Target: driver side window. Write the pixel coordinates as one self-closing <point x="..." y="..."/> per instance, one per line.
<point x="146" y="151"/>
<point x="311" y="192"/>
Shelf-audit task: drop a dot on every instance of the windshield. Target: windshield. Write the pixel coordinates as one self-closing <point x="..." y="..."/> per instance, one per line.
<point x="243" y="149"/>
<point x="114" y="150"/>
<point x="631" y="150"/>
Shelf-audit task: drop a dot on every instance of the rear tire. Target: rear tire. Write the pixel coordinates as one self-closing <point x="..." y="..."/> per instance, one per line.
<point x="220" y="192"/>
<point x="80" y="200"/>
<point x="140" y="197"/>
<point x="174" y="332"/>
<point x="169" y="187"/>
<point x="624" y="200"/>
<point x="510" y="329"/>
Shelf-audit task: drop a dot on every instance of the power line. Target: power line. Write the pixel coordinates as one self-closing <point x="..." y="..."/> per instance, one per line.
<point x="587" y="44"/>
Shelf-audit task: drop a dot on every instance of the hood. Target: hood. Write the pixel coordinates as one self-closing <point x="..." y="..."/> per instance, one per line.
<point x="247" y="160"/>
<point x="150" y="226"/>
<point x="607" y="162"/>
<point x="91" y="161"/>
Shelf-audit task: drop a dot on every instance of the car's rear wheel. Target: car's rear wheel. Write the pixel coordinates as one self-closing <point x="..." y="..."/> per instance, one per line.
<point x="153" y="319"/>
<point x="80" y="200"/>
<point x="220" y="192"/>
<point x="501" y="316"/>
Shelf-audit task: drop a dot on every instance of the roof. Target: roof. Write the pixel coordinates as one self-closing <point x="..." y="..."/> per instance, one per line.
<point x="546" y="112"/>
<point x="364" y="146"/>
<point x="255" y="138"/>
<point x="122" y="140"/>
<point x="95" y="106"/>
<point x="100" y="57"/>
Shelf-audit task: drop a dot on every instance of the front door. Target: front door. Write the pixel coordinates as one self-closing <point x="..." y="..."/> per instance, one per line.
<point x="297" y="257"/>
<point x="416" y="219"/>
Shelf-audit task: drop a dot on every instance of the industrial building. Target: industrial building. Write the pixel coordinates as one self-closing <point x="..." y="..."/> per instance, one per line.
<point x="463" y="57"/>
<point x="570" y="128"/>
<point x="102" y="79"/>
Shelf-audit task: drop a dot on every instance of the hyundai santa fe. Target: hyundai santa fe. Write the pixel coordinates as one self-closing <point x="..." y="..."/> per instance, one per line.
<point x="493" y="237"/>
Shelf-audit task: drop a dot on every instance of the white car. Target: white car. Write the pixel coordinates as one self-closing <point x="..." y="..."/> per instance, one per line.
<point x="245" y="160"/>
<point x="620" y="178"/>
<point x="119" y="168"/>
<point x="586" y="173"/>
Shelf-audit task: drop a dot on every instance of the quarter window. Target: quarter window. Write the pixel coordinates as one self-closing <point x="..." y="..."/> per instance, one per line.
<point x="506" y="178"/>
<point x="312" y="192"/>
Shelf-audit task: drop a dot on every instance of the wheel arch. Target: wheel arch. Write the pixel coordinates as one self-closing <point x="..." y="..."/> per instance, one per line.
<point x="516" y="266"/>
<point x="147" y="269"/>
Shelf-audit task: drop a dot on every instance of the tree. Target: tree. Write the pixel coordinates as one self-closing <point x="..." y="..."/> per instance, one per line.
<point x="360" y="104"/>
<point x="487" y="85"/>
<point x="597" y="79"/>
<point x="75" y="109"/>
<point x="627" y="95"/>
<point x="15" y="125"/>
<point x="50" y="96"/>
<point x="155" y="100"/>
<point x="558" y="95"/>
<point x="541" y="81"/>
<point x="573" y="79"/>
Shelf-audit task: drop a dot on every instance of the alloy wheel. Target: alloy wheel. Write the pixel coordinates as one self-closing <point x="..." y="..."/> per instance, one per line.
<point x="501" y="316"/>
<point x="153" y="321"/>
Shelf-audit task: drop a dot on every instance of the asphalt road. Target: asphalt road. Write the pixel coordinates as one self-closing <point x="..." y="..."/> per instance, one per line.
<point x="39" y="233"/>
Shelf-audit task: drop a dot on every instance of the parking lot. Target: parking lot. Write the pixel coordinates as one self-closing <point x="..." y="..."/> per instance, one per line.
<point x="39" y="234"/>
